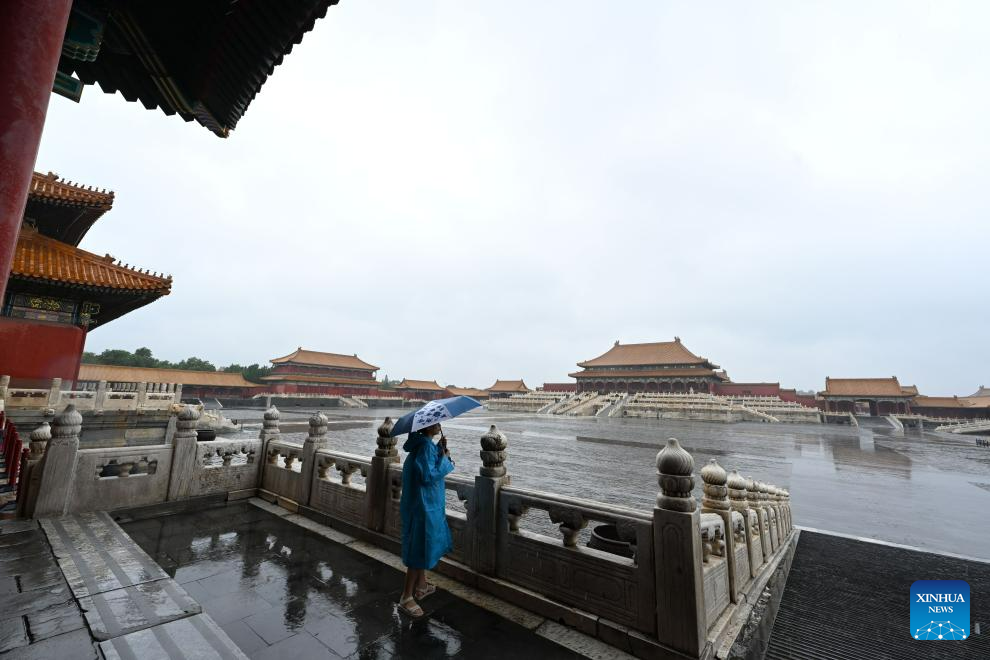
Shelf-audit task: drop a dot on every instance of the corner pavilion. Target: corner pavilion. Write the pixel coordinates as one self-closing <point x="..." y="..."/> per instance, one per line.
<point x="58" y="292"/>
<point x="666" y="366"/>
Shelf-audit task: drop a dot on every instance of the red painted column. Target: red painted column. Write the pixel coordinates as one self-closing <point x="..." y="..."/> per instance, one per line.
<point x="31" y="33"/>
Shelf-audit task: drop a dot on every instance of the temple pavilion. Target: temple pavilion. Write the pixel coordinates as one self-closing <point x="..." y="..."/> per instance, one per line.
<point x="666" y="366"/>
<point x="868" y="396"/>
<point x="314" y="372"/>
<point x="58" y="292"/>
<point x="420" y="389"/>
<point x="506" y="388"/>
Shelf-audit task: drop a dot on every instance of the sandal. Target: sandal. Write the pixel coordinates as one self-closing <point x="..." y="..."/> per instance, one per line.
<point x="414" y="610"/>
<point x="424" y="592"/>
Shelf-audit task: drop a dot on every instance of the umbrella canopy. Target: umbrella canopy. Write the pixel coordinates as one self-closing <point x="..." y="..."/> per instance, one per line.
<point x="433" y="412"/>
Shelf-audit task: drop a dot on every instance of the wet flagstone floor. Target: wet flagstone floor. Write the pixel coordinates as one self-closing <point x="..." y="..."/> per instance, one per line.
<point x="281" y="591"/>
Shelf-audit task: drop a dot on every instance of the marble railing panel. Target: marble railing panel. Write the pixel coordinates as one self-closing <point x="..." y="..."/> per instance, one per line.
<point x="114" y="478"/>
<point x="616" y="587"/>
<point x="120" y="401"/>
<point x="25" y="398"/>
<point x="282" y="473"/>
<point x="716" y="587"/>
<point x="82" y="400"/>
<point x="334" y="491"/>
<point x="225" y="465"/>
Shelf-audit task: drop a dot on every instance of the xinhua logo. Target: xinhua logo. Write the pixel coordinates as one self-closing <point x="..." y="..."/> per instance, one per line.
<point x="940" y="609"/>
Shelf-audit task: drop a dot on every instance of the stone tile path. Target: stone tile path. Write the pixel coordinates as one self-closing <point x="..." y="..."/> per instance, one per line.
<point x="78" y="587"/>
<point x="39" y="617"/>
<point x="282" y="591"/>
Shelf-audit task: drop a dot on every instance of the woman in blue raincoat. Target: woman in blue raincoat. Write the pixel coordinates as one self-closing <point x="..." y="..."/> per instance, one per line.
<point x="425" y="535"/>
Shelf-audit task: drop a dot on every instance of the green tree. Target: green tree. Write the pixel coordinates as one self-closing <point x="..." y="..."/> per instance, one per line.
<point x="195" y="364"/>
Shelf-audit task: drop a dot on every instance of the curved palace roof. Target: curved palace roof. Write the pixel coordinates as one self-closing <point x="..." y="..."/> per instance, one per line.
<point x="319" y="359"/>
<point x="651" y="354"/>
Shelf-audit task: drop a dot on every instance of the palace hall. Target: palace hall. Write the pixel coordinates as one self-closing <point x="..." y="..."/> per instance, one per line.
<point x="666" y="366"/>
<point x="315" y="372"/>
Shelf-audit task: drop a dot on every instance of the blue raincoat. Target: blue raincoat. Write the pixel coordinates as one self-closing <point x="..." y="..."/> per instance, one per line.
<point x="425" y="535"/>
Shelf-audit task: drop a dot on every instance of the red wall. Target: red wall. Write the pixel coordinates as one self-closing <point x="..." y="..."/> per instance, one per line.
<point x="40" y="350"/>
<point x="560" y="387"/>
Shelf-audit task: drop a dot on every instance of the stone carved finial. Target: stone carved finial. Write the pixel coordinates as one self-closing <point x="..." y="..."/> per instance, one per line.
<point x="676" y="479"/>
<point x="752" y="494"/>
<point x="737" y="491"/>
<point x="493" y="445"/>
<point x="269" y="425"/>
<point x="38" y="440"/>
<point x="318" y="426"/>
<point x="716" y="494"/>
<point x="386" y="442"/>
<point x="68" y="424"/>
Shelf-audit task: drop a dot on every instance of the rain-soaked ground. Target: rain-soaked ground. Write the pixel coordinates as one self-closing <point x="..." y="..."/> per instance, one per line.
<point x="280" y="592"/>
<point x="929" y="490"/>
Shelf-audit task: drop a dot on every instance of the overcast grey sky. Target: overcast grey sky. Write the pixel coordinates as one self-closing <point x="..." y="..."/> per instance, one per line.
<point x="466" y="190"/>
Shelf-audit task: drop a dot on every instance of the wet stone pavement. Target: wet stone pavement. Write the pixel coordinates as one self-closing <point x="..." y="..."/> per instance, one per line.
<point x="280" y="591"/>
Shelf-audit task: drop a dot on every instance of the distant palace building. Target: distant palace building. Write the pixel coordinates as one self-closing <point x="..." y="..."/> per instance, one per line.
<point x="868" y="396"/>
<point x="195" y="384"/>
<point x="654" y="367"/>
<point x="314" y="372"/>
<point x="472" y="392"/>
<point x="420" y="389"/>
<point x="506" y="388"/>
<point x="58" y="292"/>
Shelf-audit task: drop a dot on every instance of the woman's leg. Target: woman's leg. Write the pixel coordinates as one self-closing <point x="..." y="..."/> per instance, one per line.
<point x="412" y="579"/>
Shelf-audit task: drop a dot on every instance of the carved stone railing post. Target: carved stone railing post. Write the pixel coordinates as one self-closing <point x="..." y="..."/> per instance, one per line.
<point x="4" y="384"/>
<point x="764" y="489"/>
<point x="142" y="396"/>
<point x="269" y="432"/>
<point x="55" y="394"/>
<point x="315" y="440"/>
<point x="715" y="499"/>
<point x="185" y="453"/>
<point x="101" y="397"/>
<point x="681" y="622"/>
<point x="376" y="485"/>
<point x="753" y="497"/>
<point x="30" y="476"/>
<point x="787" y="510"/>
<point x="483" y="507"/>
<point x="58" y="465"/>
<point x="739" y="502"/>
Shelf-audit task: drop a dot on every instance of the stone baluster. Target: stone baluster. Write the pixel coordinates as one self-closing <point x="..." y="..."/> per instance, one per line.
<point x="715" y="499"/>
<point x="764" y="489"/>
<point x="314" y="441"/>
<point x="775" y="507"/>
<point x="30" y="476"/>
<point x="739" y="502"/>
<point x="4" y="384"/>
<point x="142" y="396"/>
<point x="269" y="426"/>
<point x="101" y="398"/>
<point x="58" y="466"/>
<point x="185" y="453"/>
<point x="38" y="441"/>
<point x="753" y="497"/>
<point x="681" y="622"/>
<point x="790" y="514"/>
<point x="178" y="393"/>
<point x="376" y="485"/>
<point x="55" y="394"/>
<point x="483" y="508"/>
